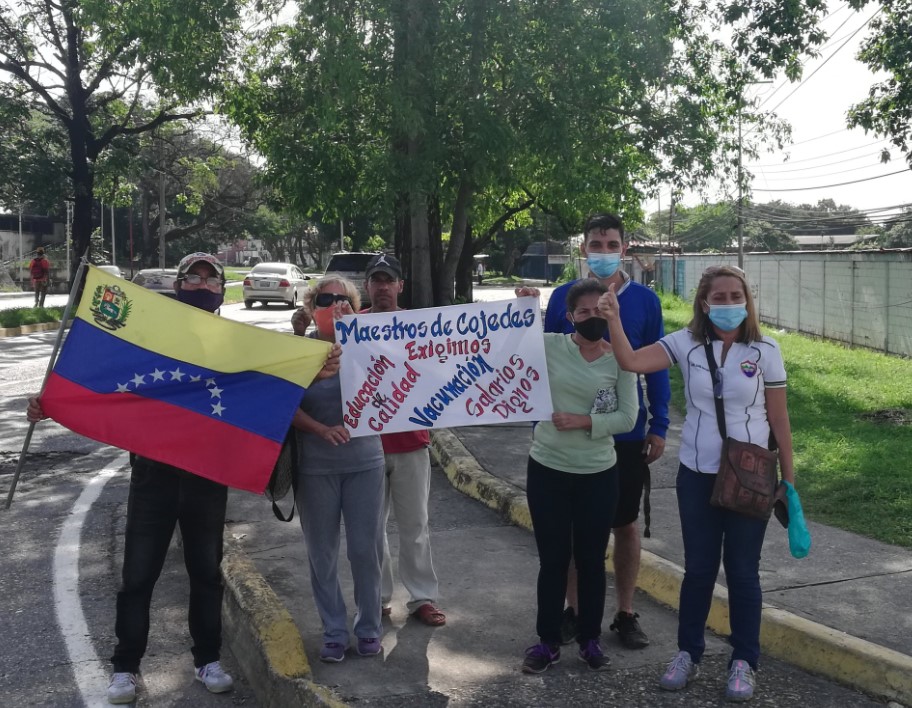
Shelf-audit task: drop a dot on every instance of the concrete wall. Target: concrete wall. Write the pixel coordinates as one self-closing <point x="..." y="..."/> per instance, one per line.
<point x="860" y="298"/>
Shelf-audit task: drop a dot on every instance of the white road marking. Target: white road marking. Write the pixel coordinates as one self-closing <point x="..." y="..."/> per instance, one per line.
<point x="90" y="672"/>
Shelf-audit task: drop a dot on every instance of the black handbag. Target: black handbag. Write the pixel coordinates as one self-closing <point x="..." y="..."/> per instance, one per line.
<point x="748" y="473"/>
<point x="284" y="476"/>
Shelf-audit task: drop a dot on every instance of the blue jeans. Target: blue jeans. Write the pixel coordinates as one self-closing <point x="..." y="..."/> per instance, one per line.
<point x="572" y="515"/>
<point x="162" y="496"/>
<point x="709" y="534"/>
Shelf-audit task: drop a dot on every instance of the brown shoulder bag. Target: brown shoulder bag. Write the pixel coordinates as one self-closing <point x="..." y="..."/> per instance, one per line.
<point x="748" y="473"/>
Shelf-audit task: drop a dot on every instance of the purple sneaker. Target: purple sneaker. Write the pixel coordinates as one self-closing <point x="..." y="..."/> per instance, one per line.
<point x="540" y="657"/>
<point x="369" y="647"/>
<point x="591" y="653"/>
<point x="332" y="653"/>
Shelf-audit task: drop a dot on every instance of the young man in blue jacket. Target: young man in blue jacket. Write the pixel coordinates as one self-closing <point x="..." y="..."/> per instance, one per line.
<point x="603" y="248"/>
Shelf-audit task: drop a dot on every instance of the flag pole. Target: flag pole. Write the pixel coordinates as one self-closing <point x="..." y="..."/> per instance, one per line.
<point x="53" y="360"/>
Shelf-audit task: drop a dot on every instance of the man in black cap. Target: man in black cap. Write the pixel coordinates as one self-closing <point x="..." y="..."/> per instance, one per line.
<point x="161" y="497"/>
<point x="408" y="479"/>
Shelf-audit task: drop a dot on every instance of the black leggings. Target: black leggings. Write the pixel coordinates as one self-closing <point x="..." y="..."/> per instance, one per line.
<point x="572" y="515"/>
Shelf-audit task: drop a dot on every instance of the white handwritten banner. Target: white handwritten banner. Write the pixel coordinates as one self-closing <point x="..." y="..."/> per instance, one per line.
<point x="443" y="367"/>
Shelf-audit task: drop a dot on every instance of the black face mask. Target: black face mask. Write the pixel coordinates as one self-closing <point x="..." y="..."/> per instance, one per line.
<point x="592" y="329"/>
<point x="203" y="299"/>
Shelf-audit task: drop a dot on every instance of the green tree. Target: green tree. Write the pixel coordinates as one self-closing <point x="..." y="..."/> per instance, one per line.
<point x="887" y="110"/>
<point x="435" y="112"/>
<point x="85" y="64"/>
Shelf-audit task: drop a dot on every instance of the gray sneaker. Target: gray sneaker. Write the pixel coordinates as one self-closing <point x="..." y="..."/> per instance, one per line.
<point x="214" y="678"/>
<point x="740" y="681"/>
<point x="122" y="688"/>
<point x="680" y="672"/>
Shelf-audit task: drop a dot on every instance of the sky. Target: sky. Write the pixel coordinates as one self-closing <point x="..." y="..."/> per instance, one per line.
<point x="823" y="151"/>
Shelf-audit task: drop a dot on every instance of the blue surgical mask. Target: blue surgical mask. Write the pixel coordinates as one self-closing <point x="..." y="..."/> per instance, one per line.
<point x="727" y="317"/>
<point x="604" y="265"/>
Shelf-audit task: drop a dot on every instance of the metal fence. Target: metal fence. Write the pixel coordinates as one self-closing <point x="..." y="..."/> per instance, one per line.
<point x="859" y="298"/>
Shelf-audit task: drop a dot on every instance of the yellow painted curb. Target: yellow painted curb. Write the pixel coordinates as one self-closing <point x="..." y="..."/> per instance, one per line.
<point x="863" y="665"/>
<point x="882" y="672"/>
<point x="265" y="640"/>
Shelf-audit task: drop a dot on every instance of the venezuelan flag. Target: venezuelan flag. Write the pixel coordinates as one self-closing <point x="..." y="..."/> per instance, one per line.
<point x="177" y="384"/>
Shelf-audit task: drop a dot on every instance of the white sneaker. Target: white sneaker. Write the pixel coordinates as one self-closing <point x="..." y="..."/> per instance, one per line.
<point x="122" y="688"/>
<point x="214" y="678"/>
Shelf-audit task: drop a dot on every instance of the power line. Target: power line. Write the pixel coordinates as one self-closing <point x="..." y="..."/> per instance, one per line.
<point x="781" y="178"/>
<point x="819" y="157"/>
<point x="783" y="84"/>
<point x="825" y="61"/>
<point x="827" y="186"/>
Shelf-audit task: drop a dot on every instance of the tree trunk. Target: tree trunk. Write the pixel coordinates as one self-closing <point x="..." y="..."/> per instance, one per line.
<point x="509" y="259"/>
<point x="83" y="195"/>
<point x="457" y="240"/>
<point x="402" y="244"/>
<point x="422" y="289"/>
<point x="464" y="269"/>
<point x="435" y="244"/>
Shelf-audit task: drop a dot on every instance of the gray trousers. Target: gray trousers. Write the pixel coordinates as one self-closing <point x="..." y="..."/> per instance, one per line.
<point x="324" y="501"/>
<point x="408" y="483"/>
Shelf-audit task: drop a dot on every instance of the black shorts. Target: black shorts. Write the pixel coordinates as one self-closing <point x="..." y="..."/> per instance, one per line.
<point x="633" y="473"/>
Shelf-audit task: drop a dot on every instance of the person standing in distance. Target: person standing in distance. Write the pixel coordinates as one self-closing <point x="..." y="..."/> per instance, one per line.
<point x="40" y="273"/>
<point x="603" y="248"/>
<point x="408" y="479"/>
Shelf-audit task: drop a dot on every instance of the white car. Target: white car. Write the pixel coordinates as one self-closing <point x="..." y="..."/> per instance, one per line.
<point x="160" y="280"/>
<point x="351" y="265"/>
<point x="112" y="270"/>
<point x="275" y="282"/>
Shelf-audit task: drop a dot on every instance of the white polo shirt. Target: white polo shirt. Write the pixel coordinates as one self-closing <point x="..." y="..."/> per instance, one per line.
<point x="748" y="370"/>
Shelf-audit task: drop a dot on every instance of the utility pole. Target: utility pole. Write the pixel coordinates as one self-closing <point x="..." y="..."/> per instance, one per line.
<point x="341" y="235"/>
<point x="113" y="239"/>
<point x="740" y="187"/>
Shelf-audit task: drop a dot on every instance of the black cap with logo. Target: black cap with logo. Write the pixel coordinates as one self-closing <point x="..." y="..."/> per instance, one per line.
<point x="383" y="263"/>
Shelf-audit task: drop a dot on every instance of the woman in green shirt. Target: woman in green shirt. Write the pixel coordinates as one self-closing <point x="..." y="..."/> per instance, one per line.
<point x="572" y="484"/>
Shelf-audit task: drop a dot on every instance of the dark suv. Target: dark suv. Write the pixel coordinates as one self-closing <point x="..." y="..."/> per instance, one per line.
<point x="351" y="265"/>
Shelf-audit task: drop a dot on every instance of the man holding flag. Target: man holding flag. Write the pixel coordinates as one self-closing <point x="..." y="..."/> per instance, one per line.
<point x="177" y="415"/>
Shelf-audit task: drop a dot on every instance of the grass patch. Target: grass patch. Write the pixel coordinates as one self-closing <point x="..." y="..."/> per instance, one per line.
<point x="502" y="280"/>
<point x="235" y="275"/>
<point x="850" y="411"/>
<point x="18" y="316"/>
<point x="234" y="294"/>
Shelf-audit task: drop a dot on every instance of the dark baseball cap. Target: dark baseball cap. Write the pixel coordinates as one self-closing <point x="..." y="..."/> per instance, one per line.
<point x="383" y="263"/>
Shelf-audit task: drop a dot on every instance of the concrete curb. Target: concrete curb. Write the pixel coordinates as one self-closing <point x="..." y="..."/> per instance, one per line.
<point x="876" y="670"/>
<point x="265" y="640"/>
<point x="29" y="329"/>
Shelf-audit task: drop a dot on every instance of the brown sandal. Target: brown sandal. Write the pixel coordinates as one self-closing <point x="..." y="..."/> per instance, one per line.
<point x="429" y="615"/>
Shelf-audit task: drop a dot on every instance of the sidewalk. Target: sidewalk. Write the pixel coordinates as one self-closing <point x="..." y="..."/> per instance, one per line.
<point x="823" y="613"/>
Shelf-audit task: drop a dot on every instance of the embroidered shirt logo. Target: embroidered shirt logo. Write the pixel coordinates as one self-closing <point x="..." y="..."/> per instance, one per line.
<point x="749" y="368"/>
